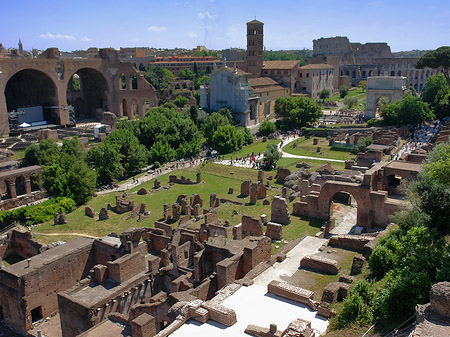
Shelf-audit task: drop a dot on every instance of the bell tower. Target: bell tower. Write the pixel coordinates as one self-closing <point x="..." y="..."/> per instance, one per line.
<point x="255" y="47"/>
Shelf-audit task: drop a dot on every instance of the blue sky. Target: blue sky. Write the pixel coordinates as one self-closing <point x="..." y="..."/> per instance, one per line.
<point x="219" y="24"/>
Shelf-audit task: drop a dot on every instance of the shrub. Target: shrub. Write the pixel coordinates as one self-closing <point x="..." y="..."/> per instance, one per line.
<point x="266" y="128"/>
<point x="373" y="122"/>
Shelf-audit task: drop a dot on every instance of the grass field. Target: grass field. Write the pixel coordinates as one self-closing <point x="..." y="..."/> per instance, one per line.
<point x="215" y="178"/>
<point x="304" y="147"/>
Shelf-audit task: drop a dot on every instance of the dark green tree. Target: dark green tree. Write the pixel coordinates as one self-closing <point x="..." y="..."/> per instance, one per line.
<point x="211" y="124"/>
<point x="324" y="94"/>
<point x="181" y="101"/>
<point x="438" y="59"/>
<point x="343" y="91"/>
<point x="226" y="139"/>
<point x="409" y="110"/>
<point x="437" y="94"/>
<point x="298" y="111"/>
<point x="186" y="74"/>
<point x="107" y="162"/>
<point x="272" y="155"/>
<point x="266" y="128"/>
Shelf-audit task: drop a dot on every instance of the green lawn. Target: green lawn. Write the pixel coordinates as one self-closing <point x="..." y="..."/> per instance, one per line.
<point x="304" y="147"/>
<point x="215" y="178"/>
<point x="352" y="92"/>
<point x="258" y="146"/>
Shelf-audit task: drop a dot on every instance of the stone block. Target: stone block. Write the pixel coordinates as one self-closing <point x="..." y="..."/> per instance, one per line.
<point x="251" y="226"/>
<point x="220" y="313"/>
<point x="103" y="214"/>
<point x="266" y="202"/>
<point x="320" y="264"/>
<point x="89" y="211"/>
<point x="175" y="212"/>
<point x="142" y="191"/>
<point x="290" y="292"/>
<point x="261" y="176"/>
<point x="282" y="173"/>
<point x="346" y="279"/>
<point x="299" y="328"/>
<point x="253" y="193"/>
<point x="156" y="184"/>
<point x="43" y="134"/>
<point x="358" y="264"/>
<point x="280" y="211"/>
<point x="274" y="231"/>
<point x="197" y="210"/>
<point x="335" y="291"/>
<point x="196" y="199"/>
<point x="245" y="188"/>
<point x="230" y="190"/>
<point x="440" y="299"/>
<point x="214" y="201"/>
<point x="60" y="219"/>
<point x="167" y="212"/>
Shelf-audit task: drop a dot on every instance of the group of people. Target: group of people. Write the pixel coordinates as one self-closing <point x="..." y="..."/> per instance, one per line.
<point x="422" y="135"/>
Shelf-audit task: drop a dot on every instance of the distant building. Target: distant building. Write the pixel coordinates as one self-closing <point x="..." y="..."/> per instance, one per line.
<point x="255" y="47"/>
<point x="313" y="78"/>
<point x="284" y="72"/>
<point x="177" y="63"/>
<point x="252" y="98"/>
<point x="388" y="86"/>
<point x="234" y="55"/>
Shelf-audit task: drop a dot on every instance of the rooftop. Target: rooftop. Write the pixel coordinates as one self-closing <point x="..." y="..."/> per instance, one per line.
<point x="261" y="81"/>
<point x="283" y="64"/>
<point x="314" y="66"/>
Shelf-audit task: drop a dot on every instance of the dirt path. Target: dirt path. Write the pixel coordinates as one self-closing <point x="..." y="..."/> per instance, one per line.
<point x="58" y="234"/>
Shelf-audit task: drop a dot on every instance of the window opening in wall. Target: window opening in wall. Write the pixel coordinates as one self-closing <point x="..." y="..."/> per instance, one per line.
<point x="36" y="314"/>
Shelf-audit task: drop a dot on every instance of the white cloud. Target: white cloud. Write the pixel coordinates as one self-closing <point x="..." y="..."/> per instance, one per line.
<point x="86" y="39"/>
<point x="190" y="35"/>
<point x="206" y="15"/>
<point x="157" y="29"/>
<point x="57" y="36"/>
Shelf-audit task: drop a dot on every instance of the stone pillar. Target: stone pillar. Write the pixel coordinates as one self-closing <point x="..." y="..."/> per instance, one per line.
<point x="199" y="177"/>
<point x="285" y="193"/>
<point x="27" y="185"/>
<point x="261" y="176"/>
<point x="253" y="193"/>
<point x="12" y="189"/>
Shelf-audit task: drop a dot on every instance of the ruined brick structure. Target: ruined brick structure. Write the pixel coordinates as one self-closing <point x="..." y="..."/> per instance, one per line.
<point x="106" y="85"/>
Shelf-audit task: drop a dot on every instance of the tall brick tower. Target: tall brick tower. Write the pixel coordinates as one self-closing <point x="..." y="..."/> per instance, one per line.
<point x="255" y="47"/>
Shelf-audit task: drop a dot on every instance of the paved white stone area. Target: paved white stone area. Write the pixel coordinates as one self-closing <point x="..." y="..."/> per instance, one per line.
<point x="253" y="305"/>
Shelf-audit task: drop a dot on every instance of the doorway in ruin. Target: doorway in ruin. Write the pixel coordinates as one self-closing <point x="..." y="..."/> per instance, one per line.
<point x="33" y="93"/>
<point x="344" y="209"/>
<point x="20" y="186"/>
<point x="86" y="92"/>
<point x="36" y="314"/>
<point x="123" y="108"/>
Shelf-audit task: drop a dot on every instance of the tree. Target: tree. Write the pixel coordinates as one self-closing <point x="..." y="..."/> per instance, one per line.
<point x="324" y="94"/>
<point x="181" y="101"/>
<point x="272" y="155"/>
<point x="134" y="155"/>
<point x="227" y="112"/>
<point x="438" y="59"/>
<point x="245" y="134"/>
<point x="226" y="139"/>
<point x="266" y="128"/>
<point x="162" y="152"/>
<point x="106" y="161"/>
<point x="196" y="69"/>
<point x="186" y="74"/>
<point x="211" y="124"/>
<point x="437" y="94"/>
<point x="299" y="111"/>
<point x="362" y="85"/>
<point x="364" y="143"/>
<point x="409" y="110"/>
<point x="343" y="91"/>
<point x="44" y="154"/>
<point x="350" y="101"/>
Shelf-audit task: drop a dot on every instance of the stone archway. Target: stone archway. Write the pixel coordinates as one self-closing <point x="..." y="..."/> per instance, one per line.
<point x="33" y="92"/>
<point x="87" y="92"/>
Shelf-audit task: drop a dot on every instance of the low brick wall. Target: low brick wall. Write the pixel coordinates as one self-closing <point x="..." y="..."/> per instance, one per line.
<point x="320" y="264"/>
<point x="292" y="293"/>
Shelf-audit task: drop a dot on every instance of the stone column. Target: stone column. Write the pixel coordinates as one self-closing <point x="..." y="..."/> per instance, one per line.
<point x="27" y="185"/>
<point x="12" y="189"/>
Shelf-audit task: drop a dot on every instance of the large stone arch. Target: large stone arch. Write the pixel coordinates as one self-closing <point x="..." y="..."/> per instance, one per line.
<point x="362" y="198"/>
<point x="92" y="93"/>
<point x="31" y="88"/>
